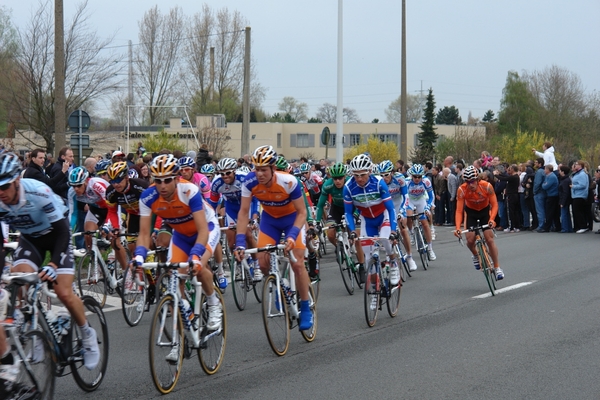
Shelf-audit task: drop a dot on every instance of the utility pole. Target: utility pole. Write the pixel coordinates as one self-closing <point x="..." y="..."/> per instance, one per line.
<point x="339" y="135"/>
<point x="212" y="73"/>
<point x="246" y="98"/>
<point x="60" y="117"/>
<point x="403" y="106"/>
<point x="130" y="77"/>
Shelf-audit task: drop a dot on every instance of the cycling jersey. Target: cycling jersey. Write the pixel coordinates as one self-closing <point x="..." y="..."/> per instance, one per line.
<point x="371" y="200"/>
<point x="38" y="208"/>
<point x="420" y="190"/>
<point x="313" y="182"/>
<point x="477" y="200"/>
<point x="399" y="192"/>
<point x="129" y="199"/>
<point x="337" y="197"/>
<point x="95" y="196"/>
<point x="277" y="199"/>
<point x="230" y="194"/>
<point x="203" y="183"/>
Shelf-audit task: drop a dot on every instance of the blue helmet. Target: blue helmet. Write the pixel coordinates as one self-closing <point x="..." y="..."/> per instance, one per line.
<point x="186" y="162"/>
<point x="416" y="169"/>
<point x="386" y="166"/>
<point x="207" y="169"/>
<point x="78" y="176"/>
<point x="102" y="166"/>
<point x="10" y="168"/>
<point x="304" y="167"/>
<point x="133" y="173"/>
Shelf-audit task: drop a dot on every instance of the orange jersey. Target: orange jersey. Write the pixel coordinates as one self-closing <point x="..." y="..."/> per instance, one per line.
<point x="277" y="199"/>
<point x="477" y="200"/>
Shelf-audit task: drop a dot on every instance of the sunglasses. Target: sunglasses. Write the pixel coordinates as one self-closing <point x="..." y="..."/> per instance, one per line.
<point x="386" y="174"/>
<point x="227" y="173"/>
<point x="5" y="186"/>
<point x="306" y="173"/>
<point x="338" y="178"/>
<point x="417" y="176"/>
<point x="187" y="169"/>
<point x="164" y="181"/>
<point x="74" y="186"/>
<point x="361" y="175"/>
<point x="117" y="180"/>
<point x="471" y="181"/>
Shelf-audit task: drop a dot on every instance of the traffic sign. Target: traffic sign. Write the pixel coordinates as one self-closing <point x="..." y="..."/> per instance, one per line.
<point x="74" y="119"/>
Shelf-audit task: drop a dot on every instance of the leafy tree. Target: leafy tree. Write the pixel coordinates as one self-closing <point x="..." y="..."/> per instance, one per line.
<point x="516" y="148"/>
<point x="155" y="143"/>
<point x="276" y="118"/>
<point x="414" y="109"/>
<point x="296" y="110"/>
<point x="375" y="121"/>
<point x="466" y="144"/>
<point x="379" y="150"/>
<point x="448" y="116"/>
<point x="489" y="116"/>
<point x="425" y="150"/>
<point x="517" y="106"/>
<point x="8" y="46"/>
<point x="328" y="113"/>
<point x="314" y="120"/>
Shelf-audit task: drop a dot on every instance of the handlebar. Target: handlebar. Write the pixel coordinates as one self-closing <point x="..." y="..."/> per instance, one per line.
<point x="270" y="249"/>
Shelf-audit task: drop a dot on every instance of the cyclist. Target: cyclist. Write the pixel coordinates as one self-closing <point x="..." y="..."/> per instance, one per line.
<point x="283" y="212"/>
<point x="187" y="169"/>
<point x="398" y="190"/>
<point x="208" y="170"/>
<point x="334" y="187"/>
<point x="478" y="199"/>
<point x="371" y="196"/>
<point x="32" y="208"/>
<point x="420" y="199"/>
<point x="227" y="187"/>
<point x="312" y="180"/>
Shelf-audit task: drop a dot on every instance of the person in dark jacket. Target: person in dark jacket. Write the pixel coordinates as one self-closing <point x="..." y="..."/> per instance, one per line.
<point x="564" y="199"/>
<point x="512" y="196"/>
<point x="65" y="156"/>
<point x="528" y="185"/>
<point x="35" y="170"/>
<point x="552" y="208"/>
<point x="499" y="188"/>
<point x="204" y="156"/>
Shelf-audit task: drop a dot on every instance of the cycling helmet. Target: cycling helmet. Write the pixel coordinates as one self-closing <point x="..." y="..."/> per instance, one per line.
<point x="186" y="162"/>
<point x="226" y="164"/>
<point x="470" y="173"/>
<point x="386" y="167"/>
<point x="361" y="163"/>
<point x="78" y="176"/>
<point x="10" y="168"/>
<point x="133" y="174"/>
<point x="118" y="170"/>
<point x="338" y="170"/>
<point x="281" y="164"/>
<point x="244" y="169"/>
<point x="305" y="167"/>
<point x="416" y="169"/>
<point x="296" y="172"/>
<point x="375" y="169"/>
<point x="264" y="156"/>
<point x="102" y="166"/>
<point x="207" y="169"/>
<point x="164" y="165"/>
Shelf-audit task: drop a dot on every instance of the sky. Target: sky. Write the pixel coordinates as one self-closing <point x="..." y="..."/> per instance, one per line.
<point x="462" y="50"/>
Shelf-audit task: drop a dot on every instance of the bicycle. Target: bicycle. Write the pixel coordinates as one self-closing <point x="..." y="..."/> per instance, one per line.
<point x="243" y="281"/>
<point x="172" y="330"/>
<point x="378" y="288"/>
<point x="313" y="243"/>
<point x="36" y="371"/>
<point x="280" y="302"/>
<point x="96" y="276"/>
<point x="422" y="246"/>
<point x="485" y="261"/>
<point x="343" y="256"/>
<point x="65" y="337"/>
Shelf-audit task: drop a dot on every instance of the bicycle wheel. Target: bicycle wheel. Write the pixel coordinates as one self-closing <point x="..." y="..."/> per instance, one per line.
<point x="393" y="300"/>
<point x="275" y="317"/>
<point x="488" y="270"/>
<point x="89" y="380"/>
<point x="400" y="254"/>
<point x="257" y="287"/>
<point x="372" y="298"/>
<point x="322" y="244"/>
<point x="315" y="284"/>
<point x="239" y="285"/>
<point x="347" y="275"/>
<point x="37" y="368"/>
<point x="133" y="299"/>
<point x="311" y="334"/>
<point x="166" y="323"/>
<point x="212" y="346"/>
<point x="162" y="283"/>
<point x="421" y="248"/>
<point x="91" y="279"/>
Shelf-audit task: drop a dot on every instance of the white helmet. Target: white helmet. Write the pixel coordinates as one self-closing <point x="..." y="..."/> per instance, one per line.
<point x="361" y="162"/>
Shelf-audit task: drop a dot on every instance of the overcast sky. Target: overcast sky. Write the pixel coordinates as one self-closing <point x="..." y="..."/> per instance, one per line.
<point x="463" y="50"/>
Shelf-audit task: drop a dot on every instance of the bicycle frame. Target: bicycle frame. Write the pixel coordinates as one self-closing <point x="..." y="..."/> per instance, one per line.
<point x="483" y="252"/>
<point x="108" y="273"/>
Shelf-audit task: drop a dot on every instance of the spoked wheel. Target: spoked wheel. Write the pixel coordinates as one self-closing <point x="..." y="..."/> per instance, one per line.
<point x="166" y="360"/>
<point x="89" y="380"/>
<point x="488" y="270"/>
<point x="91" y="280"/>
<point x="257" y="286"/>
<point x="422" y="250"/>
<point x="39" y="372"/>
<point x="393" y="301"/>
<point x="275" y="316"/>
<point x="239" y="285"/>
<point x="315" y="284"/>
<point x="322" y="244"/>
<point x="399" y="253"/>
<point x="212" y="346"/>
<point x="345" y="270"/>
<point x="372" y="298"/>
<point x="311" y="334"/>
<point x="133" y="297"/>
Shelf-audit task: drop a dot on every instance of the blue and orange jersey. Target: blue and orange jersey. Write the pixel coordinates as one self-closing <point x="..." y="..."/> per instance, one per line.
<point x="277" y="199"/>
<point x="177" y="212"/>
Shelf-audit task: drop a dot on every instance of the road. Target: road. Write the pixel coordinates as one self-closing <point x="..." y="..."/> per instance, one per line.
<point x="539" y="339"/>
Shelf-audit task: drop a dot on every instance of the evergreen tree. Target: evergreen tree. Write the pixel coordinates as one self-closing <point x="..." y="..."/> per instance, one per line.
<point x="425" y="150"/>
<point x="448" y="116"/>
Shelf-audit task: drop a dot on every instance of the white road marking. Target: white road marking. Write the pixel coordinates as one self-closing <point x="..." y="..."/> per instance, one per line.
<point x="506" y="289"/>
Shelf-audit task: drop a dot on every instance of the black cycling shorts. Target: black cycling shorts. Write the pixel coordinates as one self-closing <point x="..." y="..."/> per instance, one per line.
<point x="32" y="251"/>
<point x="473" y="216"/>
<point x="336" y="213"/>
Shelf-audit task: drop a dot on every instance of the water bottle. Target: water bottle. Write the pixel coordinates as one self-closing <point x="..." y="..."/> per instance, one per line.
<point x="375" y="263"/>
<point x="188" y="314"/>
<point x="3" y="304"/>
<point x="111" y="260"/>
<point x="62" y="324"/>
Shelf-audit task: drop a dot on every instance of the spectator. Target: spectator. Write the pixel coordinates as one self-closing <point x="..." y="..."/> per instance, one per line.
<point x="511" y="194"/>
<point x="590" y="199"/>
<point x="564" y="199"/>
<point x="525" y="213"/>
<point x="528" y="185"/>
<point x="204" y="156"/>
<point x="486" y="160"/>
<point x="539" y="195"/>
<point x="117" y="156"/>
<point x="452" y="182"/>
<point x="399" y="165"/>
<point x="579" y="192"/>
<point x="458" y="170"/>
<point x="130" y="158"/>
<point x="90" y="165"/>
<point x="499" y="188"/>
<point x="550" y="186"/>
<point x="65" y="156"/>
<point x="36" y="171"/>
<point x="547" y="155"/>
<point x="440" y="188"/>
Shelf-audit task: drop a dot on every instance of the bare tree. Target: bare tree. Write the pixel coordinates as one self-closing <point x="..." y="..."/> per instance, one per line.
<point x="90" y="71"/>
<point x="414" y="109"/>
<point x="229" y="52"/>
<point x="217" y="140"/>
<point x="197" y="54"/>
<point x="328" y="113"/>
<point x="157" y="58"/>
<point x="296" y="110"/>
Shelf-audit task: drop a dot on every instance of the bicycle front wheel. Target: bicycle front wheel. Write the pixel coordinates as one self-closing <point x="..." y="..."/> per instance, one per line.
<point x="239" y="285"/>
<point x="212" y="346"/>
<point x="400" y="256"/>
<point x="421" y="248"/>
<point x="89" y="380"/>
<point x="166" y="345"/>
<point x="345" y="270"/>
<point x="488" y="270"/>
<point x="37" y="368"/>
<point x="372" y="298"/>
<point x="257" y="287"/>
<point x="311" y="334"/>
<point x="91" y="279"/>
<point x="393" y="301"/>
<point x="275" y="316"/>
<point x="133" y="299"/>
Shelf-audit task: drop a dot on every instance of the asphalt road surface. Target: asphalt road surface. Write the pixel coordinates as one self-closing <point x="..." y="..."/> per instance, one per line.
<point x="538" y="339"/>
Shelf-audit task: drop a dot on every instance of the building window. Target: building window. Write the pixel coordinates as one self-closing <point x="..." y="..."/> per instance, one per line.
<point x="302" y="140"/>
<point x="387" y="137"/>
<point x="279" y="140"/>
<point x="354" y="139"/>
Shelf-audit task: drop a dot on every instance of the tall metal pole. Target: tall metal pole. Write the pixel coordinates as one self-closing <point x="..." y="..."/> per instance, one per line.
<point x="60" y="117"/>
<point x="339" y="142"/>
<point x="80" y="116"/>
<point x="130" y="77"/>
<point x="403" y="106"/>
<point x="246" y="100"/>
